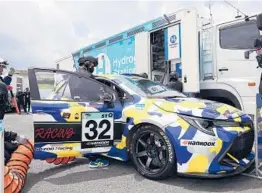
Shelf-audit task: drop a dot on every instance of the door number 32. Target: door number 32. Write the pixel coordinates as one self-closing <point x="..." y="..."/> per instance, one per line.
<point x="98" y="130"/>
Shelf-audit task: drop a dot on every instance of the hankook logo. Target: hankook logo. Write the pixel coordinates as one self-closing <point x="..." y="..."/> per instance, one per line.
<point x="198" y="143"/>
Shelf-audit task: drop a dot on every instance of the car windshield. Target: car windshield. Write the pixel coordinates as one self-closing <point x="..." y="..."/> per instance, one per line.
<point x="149" y="88"/>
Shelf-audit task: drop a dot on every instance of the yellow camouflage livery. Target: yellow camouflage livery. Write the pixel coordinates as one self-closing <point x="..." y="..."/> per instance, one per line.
<point x="208" y="138"/>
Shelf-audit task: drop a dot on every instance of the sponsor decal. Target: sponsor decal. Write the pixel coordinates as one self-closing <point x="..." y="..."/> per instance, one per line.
<point x="66" y="115"/>
<point x="94" y="144"/>
<point x="169" y="148"/>
<point x="76" y="116"/>
<point x="55" y="132"/>
<point x="55" y="148"/>
<point x="140" y="106"/>
<point x="197" y="143"/>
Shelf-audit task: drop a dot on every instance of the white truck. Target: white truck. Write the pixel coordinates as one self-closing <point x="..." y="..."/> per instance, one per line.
<point x="210" y="58"/>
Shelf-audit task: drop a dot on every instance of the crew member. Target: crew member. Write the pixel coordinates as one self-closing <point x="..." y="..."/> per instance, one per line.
<point x="174" y="83"/>
<point x="6" y="79"/>
<point x="87" y="66"/>
<point x="21" y="100"/>
<point x="11" y="139"/>
<point x="27" y="100"/>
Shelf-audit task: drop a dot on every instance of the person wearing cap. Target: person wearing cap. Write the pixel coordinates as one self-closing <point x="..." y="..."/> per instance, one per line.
<point x="6" y="79"/>
<point x="87" y="66"/>
<point x="174" y="83"/>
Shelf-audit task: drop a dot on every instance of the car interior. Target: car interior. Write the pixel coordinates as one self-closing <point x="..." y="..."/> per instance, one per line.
<point x="120" y="92"/>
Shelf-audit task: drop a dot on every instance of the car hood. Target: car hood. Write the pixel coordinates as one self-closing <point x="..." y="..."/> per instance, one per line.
<point x="199" y="108"/>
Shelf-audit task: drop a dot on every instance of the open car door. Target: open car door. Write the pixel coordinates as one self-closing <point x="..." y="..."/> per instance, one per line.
<point x="68" y="115"/>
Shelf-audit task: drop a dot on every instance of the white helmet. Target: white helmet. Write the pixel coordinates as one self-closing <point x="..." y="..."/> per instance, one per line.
<point x="3" y="62"/>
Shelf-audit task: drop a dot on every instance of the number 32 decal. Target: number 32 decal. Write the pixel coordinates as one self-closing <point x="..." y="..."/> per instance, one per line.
<point x="97" y="126"/>
<point x="103" y="126"/>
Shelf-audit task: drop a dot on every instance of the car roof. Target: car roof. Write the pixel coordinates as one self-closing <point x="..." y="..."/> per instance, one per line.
<point x="116" y="76"/>
<point x="107" y="76"/>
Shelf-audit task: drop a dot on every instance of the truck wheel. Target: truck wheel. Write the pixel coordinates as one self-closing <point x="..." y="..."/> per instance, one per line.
<point x="152" y="153"/>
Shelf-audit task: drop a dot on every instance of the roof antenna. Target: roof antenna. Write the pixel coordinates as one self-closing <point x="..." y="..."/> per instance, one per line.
<point x="238" y="11"/>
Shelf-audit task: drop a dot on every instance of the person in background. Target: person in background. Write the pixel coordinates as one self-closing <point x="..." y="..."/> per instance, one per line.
<point x="174" y="83"/>
<point x="11" y="139"/>
<point x="144" y="75"/>
<point x="6" y="79"/>
<point x="21" y="100"/>
<point x="27" y="100"/>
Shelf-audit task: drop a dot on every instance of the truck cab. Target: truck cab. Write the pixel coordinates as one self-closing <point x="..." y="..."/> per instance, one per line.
<point x="229" y="72"/>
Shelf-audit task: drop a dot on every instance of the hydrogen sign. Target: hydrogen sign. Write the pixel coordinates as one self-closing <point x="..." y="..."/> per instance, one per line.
<point x="116" y="58"/>
<point x="173" y="43"/>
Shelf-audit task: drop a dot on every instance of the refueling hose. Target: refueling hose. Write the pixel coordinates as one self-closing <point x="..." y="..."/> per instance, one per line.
<point x="17" y="167"/>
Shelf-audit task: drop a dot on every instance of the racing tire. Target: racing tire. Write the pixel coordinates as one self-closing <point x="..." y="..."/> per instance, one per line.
<point x="145" y="152"/>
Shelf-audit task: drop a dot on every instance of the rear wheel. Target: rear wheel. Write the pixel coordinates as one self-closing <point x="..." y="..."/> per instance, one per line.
<point x="152" y="153"/>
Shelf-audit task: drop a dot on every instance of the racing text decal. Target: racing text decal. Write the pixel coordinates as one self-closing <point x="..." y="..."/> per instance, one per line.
<point x="55" y="132"/>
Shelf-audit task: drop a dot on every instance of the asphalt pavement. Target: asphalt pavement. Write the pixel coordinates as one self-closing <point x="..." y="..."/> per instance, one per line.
<point x="119" y="177"/>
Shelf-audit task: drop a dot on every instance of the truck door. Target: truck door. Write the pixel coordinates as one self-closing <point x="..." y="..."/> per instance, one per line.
<point x="142" y="53"/>
<point x="68" y="115"/>
<point x="233" y="69"/>
<point x="182" y="48"/>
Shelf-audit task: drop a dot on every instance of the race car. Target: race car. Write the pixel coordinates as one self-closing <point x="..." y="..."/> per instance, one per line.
<point x="127" y="117"/>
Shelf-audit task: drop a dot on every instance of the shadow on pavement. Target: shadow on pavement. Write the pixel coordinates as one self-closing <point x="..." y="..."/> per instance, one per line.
<point x="236" y="184"/>
<point x="117" y="168"/>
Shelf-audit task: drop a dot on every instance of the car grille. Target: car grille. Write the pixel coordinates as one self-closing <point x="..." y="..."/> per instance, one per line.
<point x="242" y="145"/>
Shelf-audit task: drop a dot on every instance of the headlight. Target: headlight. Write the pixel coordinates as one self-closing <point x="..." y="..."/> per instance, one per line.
<point x="207" y="125"/>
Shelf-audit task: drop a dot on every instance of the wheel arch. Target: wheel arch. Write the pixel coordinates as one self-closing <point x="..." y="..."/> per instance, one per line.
<point x="132" y="132"/>
<point x="220" y="95"/>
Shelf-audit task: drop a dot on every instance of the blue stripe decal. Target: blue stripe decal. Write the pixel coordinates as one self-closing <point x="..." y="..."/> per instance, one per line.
<point x="180" y="50"/>
<point x="166" y="43"/>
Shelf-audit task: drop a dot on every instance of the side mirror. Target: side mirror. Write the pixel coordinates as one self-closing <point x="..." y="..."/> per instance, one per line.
<point x="246" y="54"/>
<point x="259" y="21"/>
<point x="107" y="97"/>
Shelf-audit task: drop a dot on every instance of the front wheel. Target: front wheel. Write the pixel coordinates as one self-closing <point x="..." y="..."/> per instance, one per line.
<point x="152" y="153"/>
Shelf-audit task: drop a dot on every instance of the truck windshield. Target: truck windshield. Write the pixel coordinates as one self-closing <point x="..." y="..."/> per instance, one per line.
<point x="149" y="88"/>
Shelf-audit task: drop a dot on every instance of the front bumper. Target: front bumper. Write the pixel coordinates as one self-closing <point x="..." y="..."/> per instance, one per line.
<point x="232" y="153"/>
<point x="237" y="171"/>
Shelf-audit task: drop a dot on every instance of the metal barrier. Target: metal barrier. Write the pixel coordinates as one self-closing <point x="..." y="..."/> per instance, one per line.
<point x="257" y="171"/>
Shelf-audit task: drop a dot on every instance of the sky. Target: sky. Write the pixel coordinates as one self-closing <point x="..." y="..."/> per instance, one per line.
<point x="37" y="33"/>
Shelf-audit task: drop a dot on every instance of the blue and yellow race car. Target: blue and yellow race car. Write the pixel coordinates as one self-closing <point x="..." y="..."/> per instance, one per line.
<point x="127" y="117"/>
